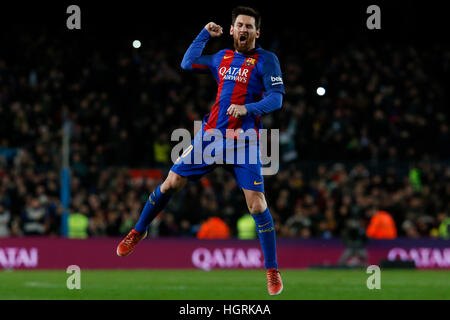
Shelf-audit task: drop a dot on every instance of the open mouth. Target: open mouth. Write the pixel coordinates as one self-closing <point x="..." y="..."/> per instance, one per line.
<point x="242" y="40"/>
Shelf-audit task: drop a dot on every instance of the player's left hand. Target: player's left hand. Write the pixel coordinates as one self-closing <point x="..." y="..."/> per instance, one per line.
<point x="237" y="111"/>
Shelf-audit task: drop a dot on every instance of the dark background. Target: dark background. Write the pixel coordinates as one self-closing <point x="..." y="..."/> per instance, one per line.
<point x="401" y="20"/>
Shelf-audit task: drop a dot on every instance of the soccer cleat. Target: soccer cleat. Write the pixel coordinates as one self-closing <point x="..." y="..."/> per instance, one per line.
<point x="126" y="246"/>
<point x="274" y="283"/>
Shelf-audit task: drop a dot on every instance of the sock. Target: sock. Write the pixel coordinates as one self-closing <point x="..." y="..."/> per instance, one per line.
<point x="155" y="203"/>
<point x="266" y="234"/>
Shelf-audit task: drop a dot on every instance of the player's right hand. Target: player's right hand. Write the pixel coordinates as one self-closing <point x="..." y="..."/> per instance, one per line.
<point x="214" y="29"/>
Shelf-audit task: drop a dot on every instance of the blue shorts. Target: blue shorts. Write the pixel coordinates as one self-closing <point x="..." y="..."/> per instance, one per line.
<point x="207" y="151"/>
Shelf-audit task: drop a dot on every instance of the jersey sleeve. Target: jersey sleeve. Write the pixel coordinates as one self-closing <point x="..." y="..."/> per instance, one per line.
<point x="271" y="102"/>
<point x="193" y="59"/>
<point x="202" y="63"/>
<point x="271" y="75"/>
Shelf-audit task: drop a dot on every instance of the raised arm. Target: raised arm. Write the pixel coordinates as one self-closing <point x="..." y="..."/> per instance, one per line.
<point x="193" y="59"/>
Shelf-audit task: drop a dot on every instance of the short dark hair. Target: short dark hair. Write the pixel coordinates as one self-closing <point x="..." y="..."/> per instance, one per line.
<point x="248" y="12"/>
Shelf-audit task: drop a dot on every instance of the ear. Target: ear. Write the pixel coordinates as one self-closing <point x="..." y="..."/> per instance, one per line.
<point x="231" y="30"/>
<point x="258" y="32"/>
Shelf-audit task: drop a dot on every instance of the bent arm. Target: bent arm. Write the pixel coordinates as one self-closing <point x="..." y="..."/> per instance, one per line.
<point x="271" y="102"/>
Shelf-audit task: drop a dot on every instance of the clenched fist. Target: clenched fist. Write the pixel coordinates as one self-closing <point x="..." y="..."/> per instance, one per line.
<point x="214" y="29"/>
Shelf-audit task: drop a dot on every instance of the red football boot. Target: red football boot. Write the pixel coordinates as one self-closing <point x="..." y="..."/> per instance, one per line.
<point x="126" y="246"/>
<point x="274" y="283"/>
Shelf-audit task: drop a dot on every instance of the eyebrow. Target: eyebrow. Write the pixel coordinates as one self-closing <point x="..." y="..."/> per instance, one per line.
<point x="247" y="24"/>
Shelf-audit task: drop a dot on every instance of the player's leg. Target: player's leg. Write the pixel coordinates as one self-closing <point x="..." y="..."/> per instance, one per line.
<point x="250" y="180"/>
<point x="159" y="199"/>
<point x="257" y="206"/>
<point x="156" y="202"/>
<point x="183" y="170"/>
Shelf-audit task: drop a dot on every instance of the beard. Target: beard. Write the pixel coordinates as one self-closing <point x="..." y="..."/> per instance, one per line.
<point x="243" y="44"/>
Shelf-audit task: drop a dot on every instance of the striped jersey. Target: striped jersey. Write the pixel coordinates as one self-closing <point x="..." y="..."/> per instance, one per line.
<point x="241" y="79"/>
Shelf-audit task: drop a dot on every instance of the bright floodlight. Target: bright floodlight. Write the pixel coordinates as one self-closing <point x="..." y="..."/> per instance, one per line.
<point x="320" y="91"/>
<point x="136" y="44"/>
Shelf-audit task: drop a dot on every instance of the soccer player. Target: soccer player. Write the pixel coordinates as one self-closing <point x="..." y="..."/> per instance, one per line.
<point x="249" y="85"/>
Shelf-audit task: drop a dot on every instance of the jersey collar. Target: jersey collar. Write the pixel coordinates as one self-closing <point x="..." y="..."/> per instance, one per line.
<point x="251" y="52"/>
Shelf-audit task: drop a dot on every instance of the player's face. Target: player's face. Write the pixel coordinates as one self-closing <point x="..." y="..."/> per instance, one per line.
<point x="244" y="33"/>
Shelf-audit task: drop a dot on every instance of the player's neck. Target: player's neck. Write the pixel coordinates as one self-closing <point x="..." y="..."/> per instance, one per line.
<point x="246" y="52"/>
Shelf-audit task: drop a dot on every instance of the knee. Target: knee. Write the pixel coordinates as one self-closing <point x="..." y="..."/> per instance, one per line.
<point x="173" y="184"/>
<point x="257" y="205"/>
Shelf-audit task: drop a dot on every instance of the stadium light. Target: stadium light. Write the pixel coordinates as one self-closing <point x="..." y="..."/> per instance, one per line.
<point x="320" y="91"/>
<point x="136" y="44"/>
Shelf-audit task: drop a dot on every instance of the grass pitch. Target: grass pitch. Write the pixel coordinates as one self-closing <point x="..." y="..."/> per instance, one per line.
<point x="223" y="285"/>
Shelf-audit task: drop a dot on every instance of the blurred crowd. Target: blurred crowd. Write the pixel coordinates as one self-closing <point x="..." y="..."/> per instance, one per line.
<point x="377" y="140"/>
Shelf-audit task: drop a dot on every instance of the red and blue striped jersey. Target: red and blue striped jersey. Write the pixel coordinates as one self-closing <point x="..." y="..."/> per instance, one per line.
<point x="241" y="79"/>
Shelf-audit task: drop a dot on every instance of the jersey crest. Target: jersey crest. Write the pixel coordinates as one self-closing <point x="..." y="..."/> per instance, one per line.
<point x="249" y="62"/>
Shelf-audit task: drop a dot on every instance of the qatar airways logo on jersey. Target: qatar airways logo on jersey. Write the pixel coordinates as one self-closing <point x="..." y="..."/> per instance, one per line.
<point x="234" y="74"/>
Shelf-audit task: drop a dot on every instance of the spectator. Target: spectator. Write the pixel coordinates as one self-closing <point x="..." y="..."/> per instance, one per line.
<point x="34" y="218"/>
<point x="168" y="226"/>
<point x="162" y="150"/>
<point x="382" y="225"/>
<point x="444" y="228"/>
<point x="355" y="253"/>
<point x="246" y="228"/>
<point x="5" y="219"/>
<point x="214" y="228"/>
<point x="97" y="224"/>
<point x="410" y="229"/>
<point x="78" y="225"/>
<point x="127" y="223"/>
